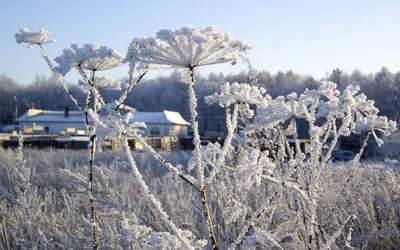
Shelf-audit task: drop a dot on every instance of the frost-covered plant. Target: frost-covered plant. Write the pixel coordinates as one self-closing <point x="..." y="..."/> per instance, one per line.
<point x="24" y="172"/>
<point x="258" y="171"/>
<point x="33" y="38"/>
<point x="189" y="48"/>
<point x="239" y="93"/>
<point x="102" y="82"/>
<point x="89" y="57"/>
<point x="329" y="115"/>
<point x="86" y="59"/>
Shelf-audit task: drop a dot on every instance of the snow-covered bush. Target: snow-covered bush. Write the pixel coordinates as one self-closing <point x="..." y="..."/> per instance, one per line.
<point x="261" y="188"/>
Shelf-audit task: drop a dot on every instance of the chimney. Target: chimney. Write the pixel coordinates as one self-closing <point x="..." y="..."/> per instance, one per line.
<point x="32" y="106"/>
<point x="66" y="112"/>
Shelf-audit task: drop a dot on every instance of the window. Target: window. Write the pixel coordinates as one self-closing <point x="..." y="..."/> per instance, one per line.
<point x="154" y="131"/>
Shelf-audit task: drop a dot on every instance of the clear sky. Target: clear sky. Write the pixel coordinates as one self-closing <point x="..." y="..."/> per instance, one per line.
<point x="309" y="37"/>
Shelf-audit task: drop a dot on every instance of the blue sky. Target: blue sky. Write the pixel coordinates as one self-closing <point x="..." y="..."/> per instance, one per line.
<point x="309" y="37"/>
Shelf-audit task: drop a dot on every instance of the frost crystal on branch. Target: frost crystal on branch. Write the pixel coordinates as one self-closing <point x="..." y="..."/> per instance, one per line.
<point x="115" y="127"/>
<point x="32" y="37"/>
<point x="187" y="48"/>
<point x="357" y="114"/>
<point x="165" y="240"/>
<point x="280" y="110"/>
<point x="89" y="57"/>
<point x="132" y="55"/>
<point x="252" y="167"/>
<point x="239" y="93"/>
<point x="102" y="82"/>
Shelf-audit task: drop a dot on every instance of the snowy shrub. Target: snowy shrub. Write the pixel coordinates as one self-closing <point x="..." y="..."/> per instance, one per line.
<point x="260" y="189"/>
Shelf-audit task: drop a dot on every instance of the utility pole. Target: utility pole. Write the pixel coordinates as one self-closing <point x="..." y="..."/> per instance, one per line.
<point x="16" y="112"/>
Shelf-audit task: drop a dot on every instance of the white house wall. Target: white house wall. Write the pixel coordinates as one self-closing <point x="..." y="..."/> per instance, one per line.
<point x="180" y="130"/>
<point x="164" y="129"/>
<point x="54" y="127"/>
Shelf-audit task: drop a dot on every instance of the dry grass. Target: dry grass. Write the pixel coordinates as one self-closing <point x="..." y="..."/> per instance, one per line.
<point x="50" y="210"/>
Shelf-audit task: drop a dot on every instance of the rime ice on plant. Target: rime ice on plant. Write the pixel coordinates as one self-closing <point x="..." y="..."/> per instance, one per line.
<point x="164" y="240"/>
<point x="115" y="126"/>
<point x="356" y="112"/>
<point x="239" y="93"/>
<point x="278" y="169"/>
<point x="242" y="94"/>
<point x="89" y="57"/>
<point x="253" y="166"/>
<point x="101" y="82"/>
<point x="33" y="38"/>
<point x="210" y="153"/>
<point x="340" y="114"/>
<point x="188" y="48"/>
<point x="280" y="110"/>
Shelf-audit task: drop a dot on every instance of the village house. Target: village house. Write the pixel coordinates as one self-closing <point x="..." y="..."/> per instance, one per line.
<point x="159" y="124"/>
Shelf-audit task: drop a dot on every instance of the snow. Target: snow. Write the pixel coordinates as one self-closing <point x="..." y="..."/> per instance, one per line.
<point x="175" y="118"/>
<point x="74" y="138"/>
<point x="165" y="117"/>
<point x="114" y="104"/>
<point x="38" y="115"/>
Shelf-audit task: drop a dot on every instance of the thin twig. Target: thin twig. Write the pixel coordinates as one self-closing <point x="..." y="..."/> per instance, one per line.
<point x="129" y="90"/>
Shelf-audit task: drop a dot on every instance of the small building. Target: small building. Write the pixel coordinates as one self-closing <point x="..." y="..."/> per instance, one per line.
<point x="38" y="121"/>
<point x="159" y="124"/>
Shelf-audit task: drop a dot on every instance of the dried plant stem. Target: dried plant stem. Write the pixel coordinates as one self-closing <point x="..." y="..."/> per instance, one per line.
<point x="338" y="232"/>
<point x="59" y="77"/>
<point x="354" y="167"/>
<point x="231" y="124"/>
<point x="92" y="149"/>
<point x="130" y="89"/>
<point x="253" y="220"/>
<point x="95" y="239"/>
<point x="199" y="161"/>
<point x="92" y="152"/>
<point x="157" y="204"/>
<point x="165" y="163"/>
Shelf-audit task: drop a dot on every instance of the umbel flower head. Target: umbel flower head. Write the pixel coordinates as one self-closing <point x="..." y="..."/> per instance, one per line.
<point x="101" y="82"/>
<point x="187" y="48"/>
<point x="90" y="57"/>
<point x="239" y="93"/>
<point x="33" y="38"/>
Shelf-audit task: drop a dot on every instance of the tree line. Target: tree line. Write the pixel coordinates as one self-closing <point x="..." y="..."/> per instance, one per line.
<point x="170" y="93"/>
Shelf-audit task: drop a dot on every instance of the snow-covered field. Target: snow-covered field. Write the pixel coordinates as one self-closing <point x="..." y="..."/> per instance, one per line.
<point x="52" y="212"/>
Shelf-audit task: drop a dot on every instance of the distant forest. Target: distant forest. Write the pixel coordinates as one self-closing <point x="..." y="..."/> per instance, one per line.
<point x="170" y="93"/>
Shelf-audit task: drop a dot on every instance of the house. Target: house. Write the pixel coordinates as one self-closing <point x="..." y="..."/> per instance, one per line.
<point x="165" y="123"/>
<point x="159" y="124"/>
<point x="38" y="121"/>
